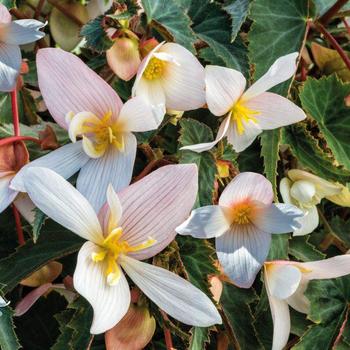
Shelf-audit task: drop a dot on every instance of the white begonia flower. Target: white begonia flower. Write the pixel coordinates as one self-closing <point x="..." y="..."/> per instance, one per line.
<point x="83" y="103"/>
<point x="13" y="34"/>
<point x="248" y="113"/>
<point x="242" y="224"/>
<point x="134" y="225"/>
<point x="170" y="77"/>
<point x="305" y="191"/>
<point x="286" y="282"/>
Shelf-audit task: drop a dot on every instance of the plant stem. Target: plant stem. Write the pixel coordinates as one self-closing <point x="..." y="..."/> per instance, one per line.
<point x="328" y="36"/>
<point x="19" y="229"/>
<point x="66" y="12"/>
<point x="332" y="11"/>
<point x="167" y="333"/>
<point x="156" y="163"/>
<point x="15" y="115"/>
<point x="12" y="139"/>
<point x="38" y="9"/>
<point x="346" y="24"/>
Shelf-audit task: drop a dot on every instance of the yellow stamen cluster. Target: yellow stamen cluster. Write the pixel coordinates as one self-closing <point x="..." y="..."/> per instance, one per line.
<point x="241" y="213"/>
<point x="110" y="250"/>
<point x="154" y="69"/>
<point x="240" y="113"/>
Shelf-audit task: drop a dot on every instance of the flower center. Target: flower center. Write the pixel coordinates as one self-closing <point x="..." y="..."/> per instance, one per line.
<point x="240" y="113"/>
<point x="154" y="69"/>
<point x="110" y="250"/>
<point x="97" y="133"/>
<point x="241" y="213"/>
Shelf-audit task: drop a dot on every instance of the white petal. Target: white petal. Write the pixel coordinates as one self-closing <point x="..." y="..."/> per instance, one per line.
<point x="24" y="31"/>
<point x="223" y="87"/>
<point x="206" y="222"/>
<point x="114" y="167"/>
<point x="285" y="186"/>
<point x="303" y="191"/>
<point x="65" y="161"/>
<point x="183" y="81"/>
<point x="5" y="16"/>
<point x="247" y="185"/>
<point x="298" y="300"/>
<point x="281" y="70"/>
<point x="241" y="251"/>
<point x="25" y="206"/>
<point x="337" y="266"/>
<point x="176" y="296"/>
<point x="201" y="147"/>
<point x="274" y="111"/>
<point x="277" y="218"/>
<point x="308" y="222"/>
<point x="283" y="279"/>
<point x="281" y="320"/>
<point x="7" y="195"/>
<point x="10" y="64"/>
<point x="59" y="200"/>
<point x="115" y="209"/>
<point x="137" y="115"/>
<point x="110" y="303"/>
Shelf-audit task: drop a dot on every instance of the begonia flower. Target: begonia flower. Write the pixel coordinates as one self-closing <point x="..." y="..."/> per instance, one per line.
<point x="83" y="103"/>
<point x="305" y="191"/>
<point x="286" y="282"/>
<point x="248" y="112"/>
<point x="242" y="224"/>
<point x="134" y="225"/>
<point x="170" y="77"/>
<point x="13" y="34"/>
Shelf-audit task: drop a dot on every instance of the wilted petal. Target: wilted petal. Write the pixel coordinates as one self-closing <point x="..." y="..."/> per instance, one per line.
<point x="275" y="111"/>
<point x="46" y="274"/>
<point x="343" y="198"/>
<point x="308" y="222"/>
<point x="69" y="85"/>
<point x="281" y="70"/>
<point x="24" y="31"/>
<point x="206" y="222"/>
<point x="156" y="205"/>
<point x="247" y="185"/>
<point x="176" y="296"/>
<point x="241" y="251"/>
<point x="223" y="87"/>
<point x="110" y="303"/>
<point x="114" y="167"/>
<point x="10" y="64"/>
<point x="59" y="200"/>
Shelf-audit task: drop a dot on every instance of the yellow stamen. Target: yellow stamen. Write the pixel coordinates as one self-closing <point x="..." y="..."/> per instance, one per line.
<point x="240" y="113"/>
<point x="241" y="213"/>
<point x="154" y="69"/>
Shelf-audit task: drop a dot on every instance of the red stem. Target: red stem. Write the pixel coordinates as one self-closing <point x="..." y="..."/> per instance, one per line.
<point x="15" y="114"/>
<point x="19" y="229"/>
<point x="303" y="71"/>
<point x="332" y="11"/>
<point x="167" y="333"/>
<point x="328" y="36"/>
<point x="346" y="24"/>
<point x="12" y="139"/>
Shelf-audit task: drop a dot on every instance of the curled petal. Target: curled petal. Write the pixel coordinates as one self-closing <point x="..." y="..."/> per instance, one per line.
<point x="24" y="31"/>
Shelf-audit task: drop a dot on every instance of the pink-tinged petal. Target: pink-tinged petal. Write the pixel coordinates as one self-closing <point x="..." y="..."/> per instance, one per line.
<point x="281" y="70"/>
<point x="124" y="57"/>
<point x="59" y="200"/>
<point x="114" y="167"/>
<point x="24" y="31"/>
<point x="337" y="266"/>
<point x="281" y="319"/>
<point x="239" y="141"/>
<point x="173" y="294"/>
<point x="110" y="303"/>
<point x="206" y="222"/>
<point x="7" y="195"/>
<point x="137" y="115"/>
<point x="201" y="147"/>
<point x="183" y="81"/>
<point x="25" y="206"/>
<point x="223" y="87"/>
<point x="10" y="64"/>
<point x="31" y="298"/>
<point x="156" y="205"/>
<point x="69" y="85"/>
<point x="308" y="222"/>
<point x="247" y="185"/>
<point x="5" y="16"/>
<point x="274" y="111"/>
<point x="277" y="218"/>
<point x="65" y="161"/>
<point x="241" y="251"/>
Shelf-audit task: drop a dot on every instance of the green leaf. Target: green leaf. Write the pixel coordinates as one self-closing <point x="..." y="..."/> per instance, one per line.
<point x="236" y="304"/>
<point x="66" y="333"/>
<point x="39" y="220"/>
<point x="53" y="243"/>
<point x="170" y="16"/>
<point x="9" y="4"/>
<point x="8" y="338"/>
<point x="200" y="336"/>
<point x="279" y="247"/>
<point x="341" y="229"/>
<point x="193" y="132"/>
<point x="329" y="303"/>
<point x="324" y="100"/>
<point x="270" y="140"/>
<point x="303" y="250"/>
<point x="238" y="10"/>
<point x="306" y="149"/>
